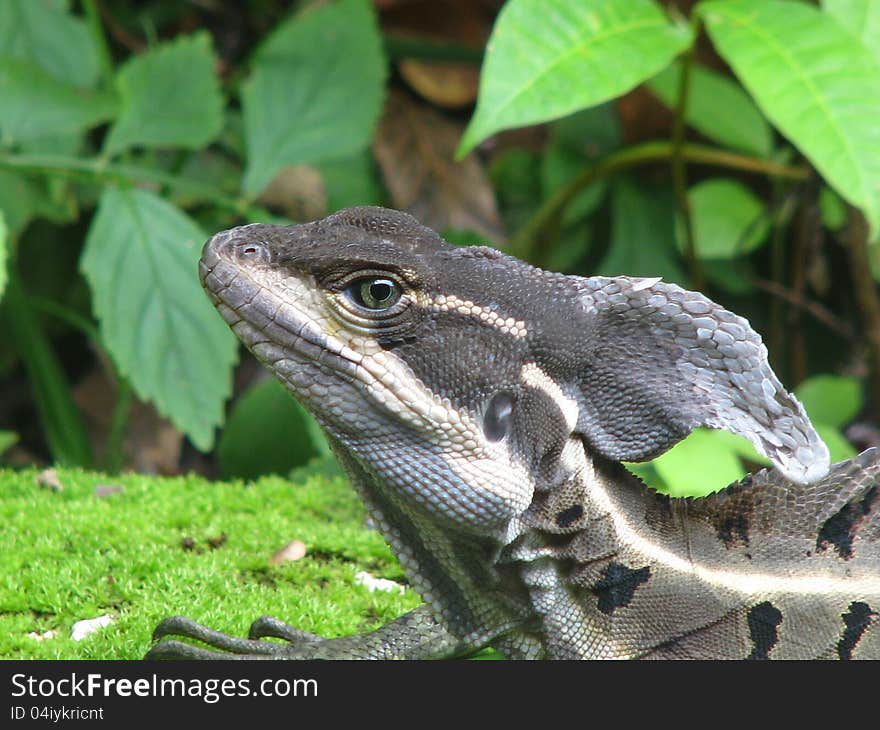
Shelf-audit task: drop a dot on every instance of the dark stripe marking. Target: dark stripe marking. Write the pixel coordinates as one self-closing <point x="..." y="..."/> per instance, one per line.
<point x="856" y="620"/>
<point x="840" y="530"/>
<point x="764" y="620"/>
<point x="734" y="529"/>
<point x="618" y="585"/>
<point x="568" y="517"/>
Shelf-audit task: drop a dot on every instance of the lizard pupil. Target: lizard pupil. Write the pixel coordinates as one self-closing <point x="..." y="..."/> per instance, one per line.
<point x="375" y="293"/>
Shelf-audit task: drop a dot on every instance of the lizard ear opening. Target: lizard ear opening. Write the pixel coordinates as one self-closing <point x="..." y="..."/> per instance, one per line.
<point x="660" y="361"/>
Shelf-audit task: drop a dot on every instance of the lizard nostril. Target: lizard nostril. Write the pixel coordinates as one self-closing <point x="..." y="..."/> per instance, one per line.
<point x="252" y="251"/>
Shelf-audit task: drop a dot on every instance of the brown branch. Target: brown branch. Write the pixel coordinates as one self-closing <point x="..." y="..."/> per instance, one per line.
<point x="867" y="299"/>
<point x="818" y="311"/>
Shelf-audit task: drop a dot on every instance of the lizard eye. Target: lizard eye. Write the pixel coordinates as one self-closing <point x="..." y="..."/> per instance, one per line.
<point x="376" y="293"/>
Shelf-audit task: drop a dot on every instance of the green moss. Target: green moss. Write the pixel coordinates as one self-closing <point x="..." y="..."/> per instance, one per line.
<point x="146" y="553"/>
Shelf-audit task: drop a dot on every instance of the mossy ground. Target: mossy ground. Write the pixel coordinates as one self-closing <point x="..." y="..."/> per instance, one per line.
<point x="146" y="553"/>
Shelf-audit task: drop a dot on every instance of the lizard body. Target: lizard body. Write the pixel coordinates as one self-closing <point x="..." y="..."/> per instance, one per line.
<point x="481" y="407"/>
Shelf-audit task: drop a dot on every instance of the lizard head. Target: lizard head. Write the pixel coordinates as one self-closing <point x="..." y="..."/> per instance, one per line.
<point x="460" y="374"/>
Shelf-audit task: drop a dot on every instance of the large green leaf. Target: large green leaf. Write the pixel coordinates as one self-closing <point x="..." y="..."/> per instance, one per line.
<point x="316" y="90"/>
<point x="141" y="262"/>
<point x="831" y="399"/>
<point x="699" y="464"/>
<point x="36" y="105"/>
<point x="642" y="233"/>
<point x="860" y="17"/>
<point x="549" y="58"/>
<point x="170" y="97"/>
<point x="266" y="433"/>
<point x="728" y="219"/>
<point x="45" y="33"/>
<point x="819" y="88"/>
<point x="717" y="107"/>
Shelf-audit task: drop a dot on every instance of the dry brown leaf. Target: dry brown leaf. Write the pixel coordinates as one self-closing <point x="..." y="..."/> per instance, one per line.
<point x="48" y="478"/>
<point x="450" y="85"/>
<point x="294" y="550"/>
<point x="298" y="192"/>
<point x="415" y="147"/>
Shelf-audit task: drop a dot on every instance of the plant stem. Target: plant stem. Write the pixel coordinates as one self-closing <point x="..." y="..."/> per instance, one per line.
<point x="679" y="174"/>
<point x="525" y="241"/>
<point x="100" y="169"/>
<point x="399" y="47"/>
<point x="867" y="299"/>
<point x="63" y="425"/>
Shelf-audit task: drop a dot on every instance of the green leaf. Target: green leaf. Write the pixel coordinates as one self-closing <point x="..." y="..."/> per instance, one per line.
<point x="859" y="17"/>
<point x="45" y="33"/>
<point x="575" y="142"/>
<point x="831" y="399"/>
<point x="37" y="105"/>
<point x="549" y="58"/>
<point x="728" y="219"/>
<point x="642" y="233"/>
<point x="717" y="107"/>
<point x="818" y="87"/>
<point x="839" y="448"/>
<point x="699" y="465"/>
<point x="351" y="181"/>
<point x="316" y="90"/>
<point x="170" y="97"/>
<point x="833" y="209"/>
<point x="266" y="433"/>
<point x="163" y="334"/>
<point x="19" y="200"/>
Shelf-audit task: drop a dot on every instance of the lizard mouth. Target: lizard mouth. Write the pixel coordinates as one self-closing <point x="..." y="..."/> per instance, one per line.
<point x="270" y="324"/>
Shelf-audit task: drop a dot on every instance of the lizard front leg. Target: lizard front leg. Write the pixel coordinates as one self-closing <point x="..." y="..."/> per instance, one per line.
<point x="415" y="635"/>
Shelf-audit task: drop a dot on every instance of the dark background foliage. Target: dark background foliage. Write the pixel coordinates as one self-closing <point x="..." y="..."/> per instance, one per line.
<point x="729" y="147"/>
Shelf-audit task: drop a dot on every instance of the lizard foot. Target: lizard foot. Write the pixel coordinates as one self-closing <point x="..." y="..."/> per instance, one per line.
<point x="231" y="647"/>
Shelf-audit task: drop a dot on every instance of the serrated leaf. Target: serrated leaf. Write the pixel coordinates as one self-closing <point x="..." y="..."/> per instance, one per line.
<point x="642" y="233"/>
<point x="700" y="464"/>
<point x="728" y="219"/>
<point x="834" y="400"/>
<point x="818" y="87"/>
<point x="140" y="260"/>
<point x="717" y="108"/>
<point x="549" y="58"/>
<point x="315" y="93"/>
<point x="37" y="105"/>
<point x="266" y="433"/>
<point x="170" y="97"/>
<point x="859" y="17"/>
<point x="46" y="34"/>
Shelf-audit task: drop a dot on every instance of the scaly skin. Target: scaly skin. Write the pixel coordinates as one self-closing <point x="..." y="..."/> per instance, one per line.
<point x="481" y="407"/>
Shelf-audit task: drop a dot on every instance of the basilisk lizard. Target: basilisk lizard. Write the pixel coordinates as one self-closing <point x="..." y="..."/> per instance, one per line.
<point x="481" y="408"/>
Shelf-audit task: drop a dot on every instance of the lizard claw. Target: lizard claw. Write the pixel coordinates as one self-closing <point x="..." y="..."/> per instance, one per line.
<point x="230" y="647"/>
